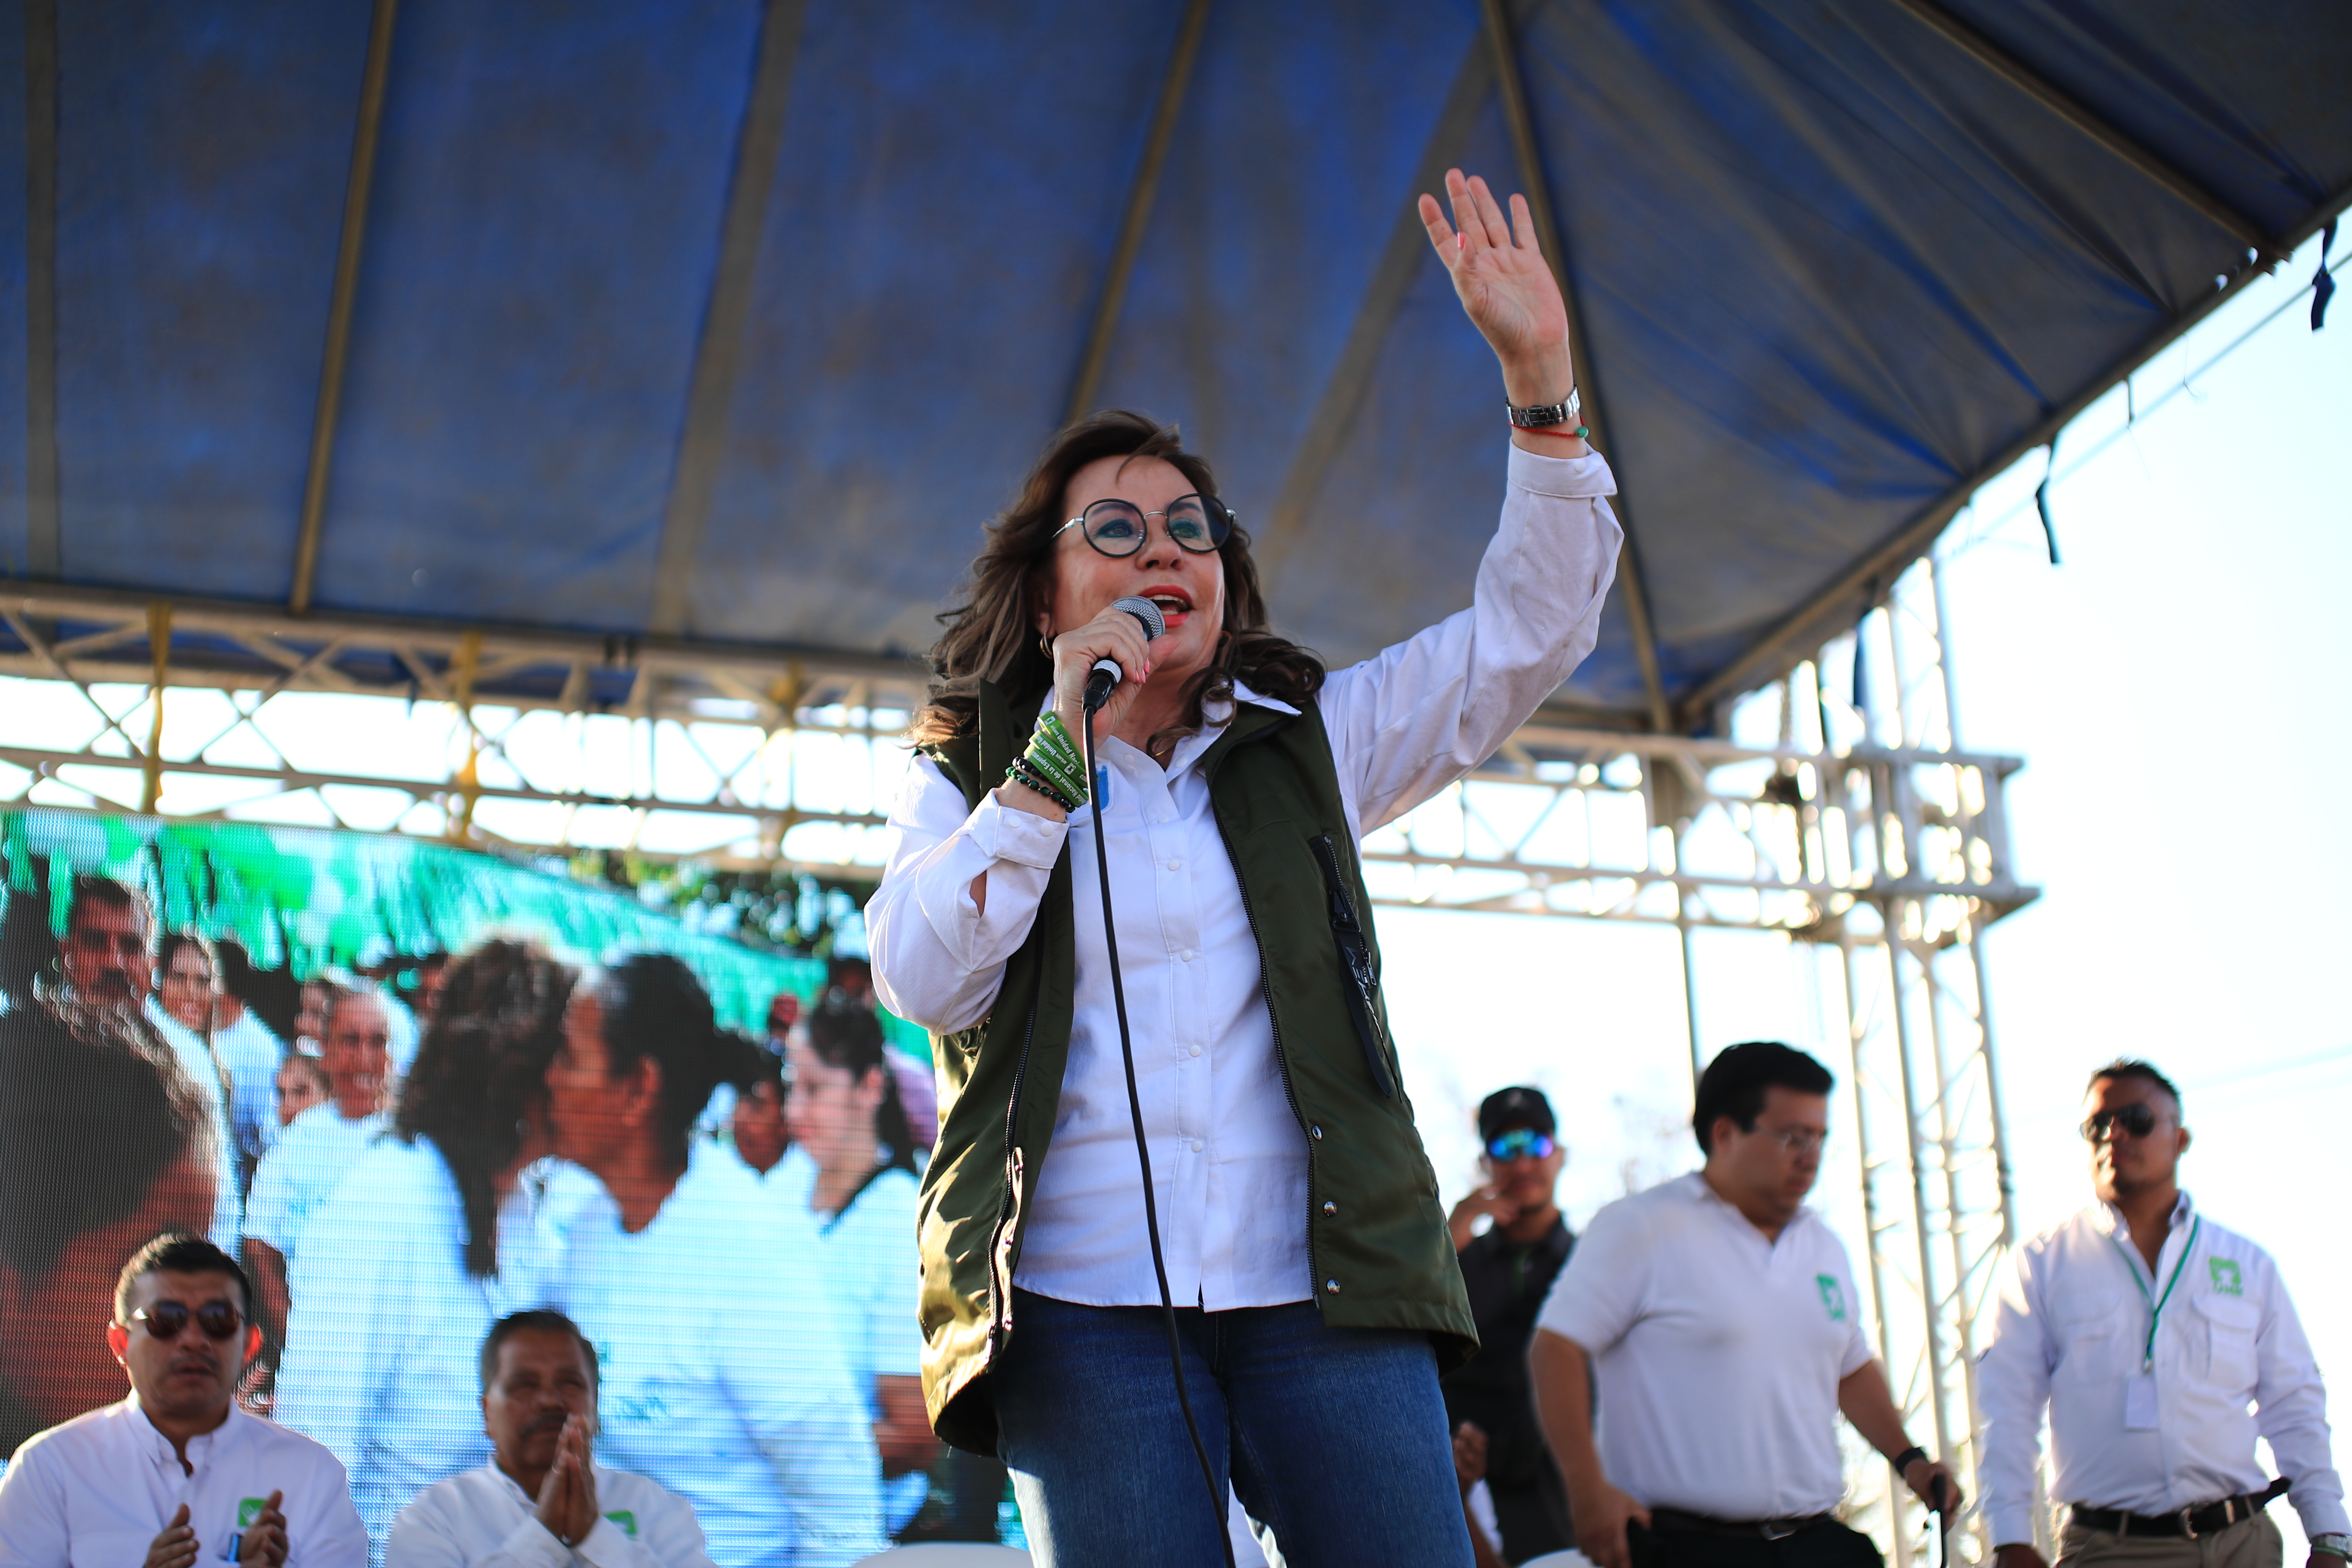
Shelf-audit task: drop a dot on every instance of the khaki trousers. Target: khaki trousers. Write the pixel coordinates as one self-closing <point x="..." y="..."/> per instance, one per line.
<point x="2249" y="1544"/>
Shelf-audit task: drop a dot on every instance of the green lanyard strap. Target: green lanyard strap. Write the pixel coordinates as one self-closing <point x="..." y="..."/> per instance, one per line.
<point x="2156" y="1304"/>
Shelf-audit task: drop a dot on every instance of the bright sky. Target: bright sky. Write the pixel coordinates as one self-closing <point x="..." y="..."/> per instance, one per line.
<point x="2168" y="686"/>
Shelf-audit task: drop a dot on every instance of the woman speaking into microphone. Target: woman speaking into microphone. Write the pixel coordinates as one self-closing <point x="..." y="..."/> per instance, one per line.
<point x="1231" y="1010"/>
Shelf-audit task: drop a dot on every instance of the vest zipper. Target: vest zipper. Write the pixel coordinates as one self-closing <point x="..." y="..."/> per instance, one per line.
<point x="1363" y="1001"/>
<point x="1003" y="1279"/>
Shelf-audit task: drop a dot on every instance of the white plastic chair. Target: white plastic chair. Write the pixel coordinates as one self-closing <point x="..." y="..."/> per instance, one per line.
<point x="947" y="1555"/>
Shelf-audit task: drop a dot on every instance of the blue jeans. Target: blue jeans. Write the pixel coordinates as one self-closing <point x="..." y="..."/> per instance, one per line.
<point x="1334" y="1439"/>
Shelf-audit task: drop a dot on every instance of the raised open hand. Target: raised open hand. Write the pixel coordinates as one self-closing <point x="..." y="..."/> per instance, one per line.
<point x="1504" y="285"/>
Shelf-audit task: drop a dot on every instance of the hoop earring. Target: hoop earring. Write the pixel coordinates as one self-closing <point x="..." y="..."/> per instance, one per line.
<point x="1045" y="644"/>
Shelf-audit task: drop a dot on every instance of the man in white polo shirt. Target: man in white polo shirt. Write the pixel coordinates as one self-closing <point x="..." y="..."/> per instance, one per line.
<point x="176" y="1474"/>
<point x="1719" y="1315"/>
<point x="542" y="1501"/>
<point x="2147" y="1331"/>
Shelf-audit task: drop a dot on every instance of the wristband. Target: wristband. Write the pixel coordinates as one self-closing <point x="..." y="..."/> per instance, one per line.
<point x="1023" y="772"/>
<point x="1902" y="1461"/>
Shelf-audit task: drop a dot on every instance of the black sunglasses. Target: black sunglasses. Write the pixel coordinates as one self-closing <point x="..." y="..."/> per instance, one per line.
<point x="1198" y="524"/>
<point x="169" y="1320"/>
<point x="2139" y="1121"/>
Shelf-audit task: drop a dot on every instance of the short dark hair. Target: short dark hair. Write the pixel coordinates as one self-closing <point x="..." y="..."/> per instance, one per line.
<point x="541" y="1321"/>
<point x="171" y="946"/>
<point x="654" y="1006"/>
<point x="92" y="1114"/>
<point x="752" y="1062"/>
<point x="2132" y="1066"/>
<point x="1735" y="1082"/>
<point x="175" y="1252"/>
<point x="88" y="888"/>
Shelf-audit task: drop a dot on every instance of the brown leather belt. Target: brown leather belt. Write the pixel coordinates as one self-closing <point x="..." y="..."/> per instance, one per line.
<point x="2203" y="1519"/>
<point x="1748" y="1529"/>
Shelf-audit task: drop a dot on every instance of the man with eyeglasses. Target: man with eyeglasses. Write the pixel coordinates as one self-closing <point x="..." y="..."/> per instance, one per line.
<point x="1718" y="1317"/>
<point x="1508" y="1271"/>
<point x="2162" y="1345"/>
<point x="176" y="1473"/>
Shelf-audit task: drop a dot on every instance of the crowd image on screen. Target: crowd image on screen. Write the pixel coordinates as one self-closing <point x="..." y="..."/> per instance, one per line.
<point x="555" y="1145"/>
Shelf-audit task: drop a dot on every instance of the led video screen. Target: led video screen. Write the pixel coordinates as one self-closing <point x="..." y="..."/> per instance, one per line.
<point x="415" y="1087"/>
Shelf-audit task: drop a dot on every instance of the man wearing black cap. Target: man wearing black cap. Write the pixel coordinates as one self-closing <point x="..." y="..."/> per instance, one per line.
<point x="1509" y="1271"/>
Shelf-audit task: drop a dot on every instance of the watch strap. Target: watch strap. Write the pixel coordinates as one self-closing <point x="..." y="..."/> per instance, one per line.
<point x="1540" y="416"/>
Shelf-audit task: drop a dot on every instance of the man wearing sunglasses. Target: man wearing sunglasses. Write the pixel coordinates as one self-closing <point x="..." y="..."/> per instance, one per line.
<point x="2162" y="1345"/>
<point x="176" y="1475"/>
<point x="1717" y="1315"/>
<point x="1507" y="1272"/>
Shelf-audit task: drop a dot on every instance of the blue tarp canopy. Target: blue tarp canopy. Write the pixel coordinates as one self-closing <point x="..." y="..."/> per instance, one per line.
<point x="731" y="323"/>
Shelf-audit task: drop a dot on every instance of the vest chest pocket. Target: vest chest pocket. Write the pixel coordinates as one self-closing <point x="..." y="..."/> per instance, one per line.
<point x="2229" y="1326"/>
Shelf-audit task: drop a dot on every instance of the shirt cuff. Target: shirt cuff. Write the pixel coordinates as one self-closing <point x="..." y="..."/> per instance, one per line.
<point x="608" y="1544"/>
<point x="2012" y="1526"/>
<point x="1572" y="479"/>
<point x="2322" y="1515"/>
<point x="532" y="1542"/>
<point x="1003" y="833"/>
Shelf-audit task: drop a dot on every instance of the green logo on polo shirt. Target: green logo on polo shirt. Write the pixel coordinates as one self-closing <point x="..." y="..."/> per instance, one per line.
<point x="2226" y="1279"/>
<point x="626" y="1521"/>
<point x="248" y="1510"/>
<point x="1832" y="1297"/>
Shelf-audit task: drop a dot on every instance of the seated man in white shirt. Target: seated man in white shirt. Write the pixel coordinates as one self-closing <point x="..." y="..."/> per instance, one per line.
<point x="542" y="1501"/>
<point x="1718" y="1314"/>
<point x="2147" y="1331"/>
<point x="177" y="1474"/>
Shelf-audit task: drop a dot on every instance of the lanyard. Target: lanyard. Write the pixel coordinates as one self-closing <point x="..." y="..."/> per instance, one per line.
<point x="2155" y="1303"/>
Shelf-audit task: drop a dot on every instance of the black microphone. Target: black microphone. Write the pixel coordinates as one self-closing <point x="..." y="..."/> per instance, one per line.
<point x="1107" y="673"/>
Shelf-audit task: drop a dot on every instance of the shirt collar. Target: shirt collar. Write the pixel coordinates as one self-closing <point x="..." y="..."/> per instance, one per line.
<point x="1214" y="717"/>
<point x="2109" y="1219"/>
<point x="145" y="1433"/>
<point x="1702" y="1192"/>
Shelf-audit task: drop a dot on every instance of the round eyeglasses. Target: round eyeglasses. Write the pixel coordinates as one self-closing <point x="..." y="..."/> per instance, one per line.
<point x="1197" y="523"/>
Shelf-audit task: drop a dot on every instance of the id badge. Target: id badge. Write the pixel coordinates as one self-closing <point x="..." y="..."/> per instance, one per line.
<point x="2140" y="1403"/>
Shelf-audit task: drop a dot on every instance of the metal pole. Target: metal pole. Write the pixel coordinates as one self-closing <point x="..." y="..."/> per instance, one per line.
<point x="1939" y="1358"/>
<point x="1855" y="1028"/>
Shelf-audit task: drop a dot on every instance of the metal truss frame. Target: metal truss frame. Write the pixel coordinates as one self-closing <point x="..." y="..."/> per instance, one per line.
<point x="1860" y="832"/>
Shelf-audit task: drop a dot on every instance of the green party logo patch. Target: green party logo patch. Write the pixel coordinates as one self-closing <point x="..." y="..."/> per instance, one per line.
<point x="1832" y="1297"/>
<point x="626" y="1521"/>
<point x="2227" y="1280"/>
<point x="248" y="1510"/>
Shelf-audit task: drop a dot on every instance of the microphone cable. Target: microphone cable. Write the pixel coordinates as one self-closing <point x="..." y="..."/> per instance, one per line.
<point x="1095" y="778"/>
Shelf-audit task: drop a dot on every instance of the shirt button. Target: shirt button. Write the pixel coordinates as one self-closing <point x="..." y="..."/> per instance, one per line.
<point x="1331" y="1287"/>
<point x="1329" y="1208"/>
<point x="1186" y="955"/>
<point x="1196" y="1050"/>
<point x="1175" y="863"/>
<point x="1196" y="1145"/>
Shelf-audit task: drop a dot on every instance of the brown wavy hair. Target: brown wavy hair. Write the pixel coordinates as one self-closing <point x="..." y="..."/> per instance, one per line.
<point x="480" y="1076"/>
<point x="991" y="631"/>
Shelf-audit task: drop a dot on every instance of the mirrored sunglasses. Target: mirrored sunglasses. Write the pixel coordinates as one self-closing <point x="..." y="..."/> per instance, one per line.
<point x="169" y="1320"/>
<point x="2139" y="1121"/>
<point x="1521" y="1144"/>
<point x="1197" y="523"/>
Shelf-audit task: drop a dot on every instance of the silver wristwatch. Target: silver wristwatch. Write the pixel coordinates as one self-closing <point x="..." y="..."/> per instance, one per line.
<point x="1540" y="416"/>
<point x="2333" y="1544"/>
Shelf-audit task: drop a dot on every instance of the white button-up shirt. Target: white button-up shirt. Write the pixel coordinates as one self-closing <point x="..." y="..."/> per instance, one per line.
<point x="483" y="1519"/>
<point x="302" y="1170"/>
<point x="725" y="1368"/>
<point x="1228" y="1158"/>
<point x="1717" y="1352"/>
<point x="197" y="1059"/>
<point x="2072" y="1332"/>
<point x="94" y="1492"/>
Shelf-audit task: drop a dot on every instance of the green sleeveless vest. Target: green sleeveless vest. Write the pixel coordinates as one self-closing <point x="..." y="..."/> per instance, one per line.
<point x="1376" y="1237"/>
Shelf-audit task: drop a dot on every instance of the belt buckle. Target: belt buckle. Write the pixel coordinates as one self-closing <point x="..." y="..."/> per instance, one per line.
<point x="2188" y="1522"/>
<point x="1778" y="1528"/>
